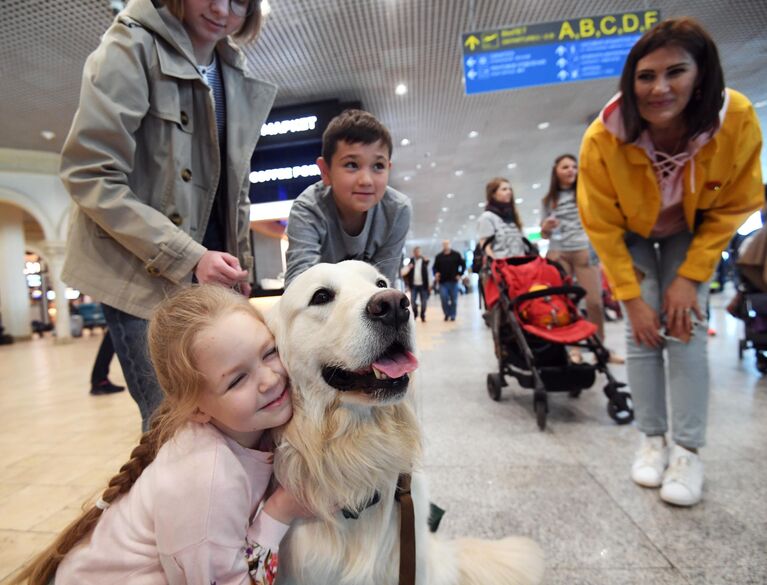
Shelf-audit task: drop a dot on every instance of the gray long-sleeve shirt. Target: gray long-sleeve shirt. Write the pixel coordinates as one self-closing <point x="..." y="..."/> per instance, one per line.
<point x="315" y="233"/>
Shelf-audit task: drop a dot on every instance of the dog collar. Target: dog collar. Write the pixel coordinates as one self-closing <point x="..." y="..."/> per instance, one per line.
<point x="354" y="514"/>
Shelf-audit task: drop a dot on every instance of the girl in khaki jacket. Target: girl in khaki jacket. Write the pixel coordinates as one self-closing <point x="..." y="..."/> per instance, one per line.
<point x="669" y="171"/>
<point x="157" y="163"/>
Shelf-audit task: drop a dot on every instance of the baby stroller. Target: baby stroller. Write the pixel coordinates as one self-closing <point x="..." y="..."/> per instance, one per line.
<point x="534" y="317"/>
<point x="750" y="303"/>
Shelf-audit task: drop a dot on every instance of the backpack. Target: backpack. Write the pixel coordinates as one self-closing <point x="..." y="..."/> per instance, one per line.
<point x="476" y="263"/>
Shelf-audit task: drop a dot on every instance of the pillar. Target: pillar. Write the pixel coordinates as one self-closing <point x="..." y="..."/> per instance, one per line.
<point x="14" y="294"/>
<point x="54" y="256"/>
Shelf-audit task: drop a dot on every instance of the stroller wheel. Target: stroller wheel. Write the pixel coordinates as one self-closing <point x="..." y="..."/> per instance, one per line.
<point x="621" y="408"/>
<point x="494" y="383"/>
<point x="540" y="412"/>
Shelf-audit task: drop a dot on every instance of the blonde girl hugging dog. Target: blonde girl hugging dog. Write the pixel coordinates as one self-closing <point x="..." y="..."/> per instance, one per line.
<point x="186" y="508"/>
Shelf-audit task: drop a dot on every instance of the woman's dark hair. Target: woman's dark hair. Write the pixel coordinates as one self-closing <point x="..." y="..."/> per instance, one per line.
<point x="551" y="199"/>
<point x="490" y="189"/>
<point x="702" y="113"/>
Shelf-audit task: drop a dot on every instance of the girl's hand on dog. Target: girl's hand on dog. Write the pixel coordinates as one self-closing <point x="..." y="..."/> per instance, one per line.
<point x="285" y="508"/>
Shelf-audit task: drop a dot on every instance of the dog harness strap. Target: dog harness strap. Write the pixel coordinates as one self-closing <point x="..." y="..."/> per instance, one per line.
<point x="407" y="531"/>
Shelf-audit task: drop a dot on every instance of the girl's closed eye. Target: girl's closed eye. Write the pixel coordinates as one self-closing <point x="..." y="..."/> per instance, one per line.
<point x="271" y="353"/>
<point x="236" y="382"/>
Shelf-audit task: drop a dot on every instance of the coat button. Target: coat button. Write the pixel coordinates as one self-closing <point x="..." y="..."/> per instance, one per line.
<point x="184" y="118"/>
<point x="176" y="218"/>
<point x="153" y="270"/>
<point x="186" y="175"/>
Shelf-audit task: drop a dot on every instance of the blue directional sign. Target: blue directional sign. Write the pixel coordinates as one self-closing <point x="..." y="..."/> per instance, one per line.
<point x="551" y="52"/>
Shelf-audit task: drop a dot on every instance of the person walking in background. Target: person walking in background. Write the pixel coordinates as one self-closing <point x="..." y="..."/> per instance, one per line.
<point x="669" y="170"/>
<point x="416" y="277"/>
<point x="569" y="244"/>
<point x="448" y="268"/>
<point x="157" y="163"/>
<point x="100" y="383"/>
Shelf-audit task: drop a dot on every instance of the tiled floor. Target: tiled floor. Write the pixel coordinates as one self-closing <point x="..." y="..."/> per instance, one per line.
<point x="489" y="466"/>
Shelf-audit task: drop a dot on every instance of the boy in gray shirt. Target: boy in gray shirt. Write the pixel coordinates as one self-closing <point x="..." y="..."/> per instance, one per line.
<point x="352" y="213"/>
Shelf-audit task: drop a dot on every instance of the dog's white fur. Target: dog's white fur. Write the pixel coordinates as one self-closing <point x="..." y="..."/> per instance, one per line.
<point x="342" y="447"/>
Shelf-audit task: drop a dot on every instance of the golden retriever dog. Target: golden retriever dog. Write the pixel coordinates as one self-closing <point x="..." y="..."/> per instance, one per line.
<point x="347" y="341"/>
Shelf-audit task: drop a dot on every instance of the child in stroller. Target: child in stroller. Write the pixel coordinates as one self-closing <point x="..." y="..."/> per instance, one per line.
<point x="534" y="318"/>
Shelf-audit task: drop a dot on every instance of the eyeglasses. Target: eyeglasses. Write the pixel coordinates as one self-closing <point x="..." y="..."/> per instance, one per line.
<point x="242" y="7"/>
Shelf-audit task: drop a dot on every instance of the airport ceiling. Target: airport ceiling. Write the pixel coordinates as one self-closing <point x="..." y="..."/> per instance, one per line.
<point x="361" y="50"/>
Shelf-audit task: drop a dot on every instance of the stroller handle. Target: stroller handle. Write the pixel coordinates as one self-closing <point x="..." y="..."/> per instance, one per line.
<point x="575" y="292"/>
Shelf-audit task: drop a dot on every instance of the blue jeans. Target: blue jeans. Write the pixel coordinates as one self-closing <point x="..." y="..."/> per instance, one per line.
<point x="129" y="338"/>
<point x="448" y="294"/>
<point x="658" y="261"/>
<point x="419" y="292"/>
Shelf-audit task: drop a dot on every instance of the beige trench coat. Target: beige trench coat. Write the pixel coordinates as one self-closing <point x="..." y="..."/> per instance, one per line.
<point x="142" y="163"/>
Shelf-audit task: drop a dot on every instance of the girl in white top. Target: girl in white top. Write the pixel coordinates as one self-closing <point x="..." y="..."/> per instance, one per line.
<point x="186" y="508"/>
<point x="569" y="244"/>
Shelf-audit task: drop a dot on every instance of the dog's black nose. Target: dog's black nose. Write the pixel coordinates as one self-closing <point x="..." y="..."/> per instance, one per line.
<point x="390" y="307"/>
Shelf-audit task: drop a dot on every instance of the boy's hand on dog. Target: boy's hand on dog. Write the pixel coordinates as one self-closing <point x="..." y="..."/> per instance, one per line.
<point x="285" y="508"/>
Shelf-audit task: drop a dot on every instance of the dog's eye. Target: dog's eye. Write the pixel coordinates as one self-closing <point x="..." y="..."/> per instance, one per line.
<point x="322" y="297"/>
<point x="381" y="283"/>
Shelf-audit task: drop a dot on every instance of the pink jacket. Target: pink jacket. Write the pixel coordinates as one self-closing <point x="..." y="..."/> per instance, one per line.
<point x="185" y="520"/>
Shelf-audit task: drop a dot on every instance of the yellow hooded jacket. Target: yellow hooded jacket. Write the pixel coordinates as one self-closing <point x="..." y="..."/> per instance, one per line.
<point x="618" y="192"/>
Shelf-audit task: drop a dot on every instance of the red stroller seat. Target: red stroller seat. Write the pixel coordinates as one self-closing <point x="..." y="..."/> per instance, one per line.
<point x="542" y="305"/>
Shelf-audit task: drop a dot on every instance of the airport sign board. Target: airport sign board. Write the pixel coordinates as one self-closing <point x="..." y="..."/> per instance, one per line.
<point x="577" y="49"/>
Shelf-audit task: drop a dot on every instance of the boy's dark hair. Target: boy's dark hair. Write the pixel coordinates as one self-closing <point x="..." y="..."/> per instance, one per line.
<point x="354" y="127"/>
<point x="702" y="113"/>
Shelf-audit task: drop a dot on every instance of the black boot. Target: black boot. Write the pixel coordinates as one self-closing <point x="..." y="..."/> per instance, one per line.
<point x="105" y="387"/>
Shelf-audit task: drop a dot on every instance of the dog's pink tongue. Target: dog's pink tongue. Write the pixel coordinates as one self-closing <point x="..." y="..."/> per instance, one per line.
<point x="397" y="365"/>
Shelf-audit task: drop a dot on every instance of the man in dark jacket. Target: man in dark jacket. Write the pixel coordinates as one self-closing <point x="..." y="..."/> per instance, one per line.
<point x="416" y="277"/>
<point x="449" y="266"/>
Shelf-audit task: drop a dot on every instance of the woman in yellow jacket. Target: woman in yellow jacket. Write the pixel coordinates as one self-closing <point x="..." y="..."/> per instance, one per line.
<point x="669" y="170"/>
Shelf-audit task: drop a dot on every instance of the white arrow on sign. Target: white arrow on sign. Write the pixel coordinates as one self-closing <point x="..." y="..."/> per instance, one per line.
<point x="471" y="61"/>
<point x="562" y="75"/>
<point x="471" y="74"/>
<point x="561" y="50"/>
<point x="561" y="62"/>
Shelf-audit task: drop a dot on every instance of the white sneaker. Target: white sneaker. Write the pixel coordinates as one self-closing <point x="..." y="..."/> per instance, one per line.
<point x="650" y="461"/>
<point x="683" y="480"/>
